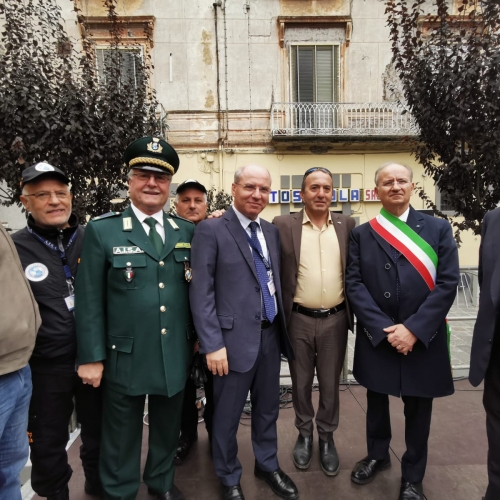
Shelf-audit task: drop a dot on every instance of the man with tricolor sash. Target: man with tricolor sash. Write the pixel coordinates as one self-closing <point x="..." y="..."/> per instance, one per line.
<point x="401" y="280"/>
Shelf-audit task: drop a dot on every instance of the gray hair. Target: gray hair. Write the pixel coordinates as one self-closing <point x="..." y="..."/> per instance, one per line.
<point x="385" y="165"/>
<point x="238" y="174"/>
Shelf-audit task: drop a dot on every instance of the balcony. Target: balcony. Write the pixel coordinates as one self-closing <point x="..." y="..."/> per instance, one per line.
<point x="342" y="120"/>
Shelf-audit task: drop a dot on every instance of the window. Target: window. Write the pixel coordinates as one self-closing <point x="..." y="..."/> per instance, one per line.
<point x="315" y="73"/>
<point x="443" y="204"/>
<point x="129" y="62"/>
<point x="315" y="78"/>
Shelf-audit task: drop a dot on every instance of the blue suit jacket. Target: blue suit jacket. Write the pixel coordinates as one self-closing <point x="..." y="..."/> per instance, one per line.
<point x="489" y="281"/>
<point x="224" y="293"/>
<point x="371" y="288"/>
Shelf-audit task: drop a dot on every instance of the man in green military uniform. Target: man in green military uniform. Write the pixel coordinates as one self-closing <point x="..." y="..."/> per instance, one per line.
<point x="134" y="325"/>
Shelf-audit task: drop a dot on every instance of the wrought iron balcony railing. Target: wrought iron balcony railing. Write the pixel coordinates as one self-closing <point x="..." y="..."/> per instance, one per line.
<point x="341" y="119"/>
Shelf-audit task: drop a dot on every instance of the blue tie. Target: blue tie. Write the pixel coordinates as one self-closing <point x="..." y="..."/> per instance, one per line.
<point x="267" y="299"/>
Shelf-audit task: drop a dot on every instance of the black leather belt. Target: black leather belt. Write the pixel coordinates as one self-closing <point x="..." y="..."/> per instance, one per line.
<point x="265" y="323"/>
<point x="318" y="313"/>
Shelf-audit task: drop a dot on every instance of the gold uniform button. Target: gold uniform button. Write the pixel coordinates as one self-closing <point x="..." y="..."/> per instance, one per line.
<point x="129" y="263"/>
<point x="163" y="331"/>
<point x="161" y="285"/>
<point x="161" y="263"/>
<point x="163" y="309"/>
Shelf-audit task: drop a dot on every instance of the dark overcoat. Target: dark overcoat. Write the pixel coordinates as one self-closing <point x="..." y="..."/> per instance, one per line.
<point x="489" y="282"/>
<point x="140" y="325"/>
<point x="372" y="290"/>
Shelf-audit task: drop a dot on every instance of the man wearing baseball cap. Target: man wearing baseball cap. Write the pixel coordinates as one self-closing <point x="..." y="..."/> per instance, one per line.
<point x="49" y="247"/>
<point x="134" y="326"/>
<point x="191" y="204"/>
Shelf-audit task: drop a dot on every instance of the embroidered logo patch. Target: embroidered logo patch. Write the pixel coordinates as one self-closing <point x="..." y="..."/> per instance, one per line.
<point x="36" y="271"/>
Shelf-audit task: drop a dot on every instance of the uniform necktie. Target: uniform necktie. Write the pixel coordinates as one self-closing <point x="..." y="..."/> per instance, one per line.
<point x="267" y="298"/>
<point x="153" y="235"/>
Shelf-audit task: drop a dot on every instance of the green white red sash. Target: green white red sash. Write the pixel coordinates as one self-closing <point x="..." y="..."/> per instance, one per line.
<point x="404" y="239"/>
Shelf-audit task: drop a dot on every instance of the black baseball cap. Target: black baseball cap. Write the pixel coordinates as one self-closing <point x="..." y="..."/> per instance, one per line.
<point x="190" y="183"/>
<point x="42" y="169"/>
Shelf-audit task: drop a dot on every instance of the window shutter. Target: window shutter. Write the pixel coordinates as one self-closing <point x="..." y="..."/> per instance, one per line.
<point x="336" y="73"/>
<point x="305" y="73"/>
<point x="324" y="73"/>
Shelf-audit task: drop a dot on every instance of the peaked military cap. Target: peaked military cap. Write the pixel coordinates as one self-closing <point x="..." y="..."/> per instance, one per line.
<point x="40" y="170"/>
<point x="152" y="153"/>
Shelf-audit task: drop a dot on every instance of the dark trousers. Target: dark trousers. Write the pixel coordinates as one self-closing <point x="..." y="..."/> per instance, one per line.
<point x="318" y="343"/>
<point x="189" y="424"/>
<point x="230" y="394"/>
<point x="491" y="401"/>
<point x="418" y="413"/>
<point x="122" y="428"/>
<point x="49" y="414"/>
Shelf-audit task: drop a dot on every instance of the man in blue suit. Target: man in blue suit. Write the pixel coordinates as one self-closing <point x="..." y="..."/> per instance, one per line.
<point x="237" y="309"/>
<point x="401" y="280"/>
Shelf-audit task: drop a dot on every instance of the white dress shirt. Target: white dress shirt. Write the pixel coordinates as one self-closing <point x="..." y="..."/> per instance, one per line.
<point x="141" y="216"/>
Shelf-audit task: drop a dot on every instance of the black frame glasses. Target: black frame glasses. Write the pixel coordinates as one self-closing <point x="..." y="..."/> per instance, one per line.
<point x="316" y="169"/>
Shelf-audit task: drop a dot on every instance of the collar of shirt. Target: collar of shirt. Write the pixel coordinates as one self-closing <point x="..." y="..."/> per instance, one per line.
<point x="244" y="220"/>
<point x="404" y="215"/>
<point x="141" y="216"/>
<point x="306" y="219"/>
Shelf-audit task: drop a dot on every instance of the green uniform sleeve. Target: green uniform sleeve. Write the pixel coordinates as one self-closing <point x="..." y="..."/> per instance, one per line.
<point x="90" y="299"/>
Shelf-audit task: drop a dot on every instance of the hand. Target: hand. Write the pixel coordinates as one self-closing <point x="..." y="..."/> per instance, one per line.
<point x="91" y="373"/>
<point x="216" y="214"/>
<point x="217" y="362"/>
<point x="400" y="338"/>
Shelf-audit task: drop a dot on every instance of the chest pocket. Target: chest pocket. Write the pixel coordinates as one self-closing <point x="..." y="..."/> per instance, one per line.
<point x="129" y="271"/>
<point x="181" y="255"/>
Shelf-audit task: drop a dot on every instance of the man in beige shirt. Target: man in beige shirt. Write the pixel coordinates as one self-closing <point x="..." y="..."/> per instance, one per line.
<point x="313" y="258"/>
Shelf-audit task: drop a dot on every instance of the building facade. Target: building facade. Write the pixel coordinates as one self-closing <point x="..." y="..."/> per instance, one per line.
<point x="286" y="84"/>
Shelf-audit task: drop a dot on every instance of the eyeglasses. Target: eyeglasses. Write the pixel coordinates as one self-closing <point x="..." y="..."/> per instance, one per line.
<point x="159" y="178"/>
<point x="251" y="188"/>
<point x="46" y="195"/>
<point x="315" y="169"/>
<point x="401" y="183"/>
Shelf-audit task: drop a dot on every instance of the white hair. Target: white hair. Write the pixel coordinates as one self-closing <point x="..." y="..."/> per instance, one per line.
<point x="386" y="164"/>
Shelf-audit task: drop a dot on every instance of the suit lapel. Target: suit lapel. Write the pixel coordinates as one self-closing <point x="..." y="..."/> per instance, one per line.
<point x="238" y="233"/>
<point x="297" y="234"/>
<point x="172" y="236"/>
<point x="415" y="220"/>
<point x="341" y="236"/>
<point x="138" y="236"/>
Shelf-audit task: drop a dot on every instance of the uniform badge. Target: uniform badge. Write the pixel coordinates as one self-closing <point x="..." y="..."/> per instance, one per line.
<point x="188" y="272"/>
<point x="173" y="224"/>
<point x="127" y="223"/>
<point x="36" y="271"/>
<point x="155" y="146"/>
<point x="129" y="274"/>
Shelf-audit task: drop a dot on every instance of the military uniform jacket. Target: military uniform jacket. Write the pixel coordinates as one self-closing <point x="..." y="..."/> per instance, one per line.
<point x="372" y="288"/>
<point x="131" y="304"/>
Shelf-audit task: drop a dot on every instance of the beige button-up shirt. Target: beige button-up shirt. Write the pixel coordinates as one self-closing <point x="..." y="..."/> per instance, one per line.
<point x="320" y="280"/>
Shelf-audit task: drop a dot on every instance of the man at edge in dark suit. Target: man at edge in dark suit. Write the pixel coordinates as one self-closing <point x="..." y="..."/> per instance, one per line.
<point x="401" y="281"/>
<point x="485" y="353"/>
<point x="237" y="310"/>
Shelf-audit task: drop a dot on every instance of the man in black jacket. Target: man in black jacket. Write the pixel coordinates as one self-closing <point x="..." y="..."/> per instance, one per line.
<point x="485" y="352"/>
<point x="49" y="248"/>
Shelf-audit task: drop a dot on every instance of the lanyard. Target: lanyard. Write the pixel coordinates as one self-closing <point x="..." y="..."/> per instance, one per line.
<point x="259" y="253"/>
<point x="61" y="250"/>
